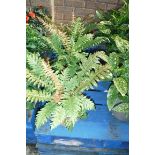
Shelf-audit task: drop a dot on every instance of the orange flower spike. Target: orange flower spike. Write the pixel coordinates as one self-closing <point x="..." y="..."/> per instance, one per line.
<point x="32" y="14"/>
<point x="27" y="19"/>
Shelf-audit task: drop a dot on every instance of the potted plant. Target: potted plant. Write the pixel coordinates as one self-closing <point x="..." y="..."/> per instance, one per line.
<point x="109" y="24"/>
<point x="61" y="82"/>
<point x="114" y="26"/>
<point x="118" y="96"/>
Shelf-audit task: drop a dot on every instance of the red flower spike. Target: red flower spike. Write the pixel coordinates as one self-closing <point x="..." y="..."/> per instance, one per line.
<point x="32" y="14"/>
<point x="27" y="19"/>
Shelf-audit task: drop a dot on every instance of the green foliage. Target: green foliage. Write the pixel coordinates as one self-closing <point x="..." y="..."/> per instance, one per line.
<point x="116" y="20"/>
<point x="29" y="106"/>
<point x="121" y="85"/>
<point x="123" y="107"/>
<point x="110" y="24"/>
<point x="118" y="92"/>
<point x="35" y="41"/>
<point x="113" y="25"/>
<point x="61" y="83"/>
<point x="69" y="46"/>
<point x="65" y="102"/>
<point x="122" y="45"/>
<point x="112" y="97"/>
<point x="37" y="96"/>
<point x="45" y="113"/>
<point x="33" y="21"/>
<point x="36" y="33"/>
<point x="77" y="29"/>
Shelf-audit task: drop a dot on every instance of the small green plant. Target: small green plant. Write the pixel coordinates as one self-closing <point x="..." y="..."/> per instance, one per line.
<point x="114" y="26"/>
<point x="35" y="41"/>
<point x="118" y="97"/>
<point x="115" y="21"/>
<point x="61" y="83"/>
<point x="110" y="24"/>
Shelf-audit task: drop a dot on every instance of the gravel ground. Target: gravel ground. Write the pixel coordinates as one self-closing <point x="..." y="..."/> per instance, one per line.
<point x="31" y="150"/>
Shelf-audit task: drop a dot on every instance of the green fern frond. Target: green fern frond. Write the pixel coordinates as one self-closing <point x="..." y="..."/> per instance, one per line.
<point x="56" y="44"/>
<point x="50" y="73"/>
<point x="87" y="41"/>
<point x="71" y="84"/>
<point x="65" y="76"/>
<point x="88" y="63"/>
<point x="72" y="109"/>
<point x="82" y="42"/>
<point x="101" y="73"/>
<point x="34" y="63"/>
<point x="58" y="117"/>
<point x="35" y="80"/>
<point x="77" y="29"/>
<point x="71" y="105"/>
<point x="58" y="86"/>
<point x="35" y="74"/>
<point x="80" y="56"/>
<point x="86" y="103"/>
<point x="91" y="63"/>
<point x="37" y="96"/>
<point x="53" y="29"/>
<point x="32" y="59"/>
<point x="44" y="114"/>
<point x="102" y="56"/>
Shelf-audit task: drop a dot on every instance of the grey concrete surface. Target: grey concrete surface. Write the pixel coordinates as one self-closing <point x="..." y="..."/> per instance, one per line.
<point x="31" y="150"/>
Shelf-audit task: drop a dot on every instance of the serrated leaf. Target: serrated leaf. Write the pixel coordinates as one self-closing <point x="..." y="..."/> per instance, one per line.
<point x="121" y="85"/>
<point x="44" y="114"/>
<point x="58" y="117"/>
